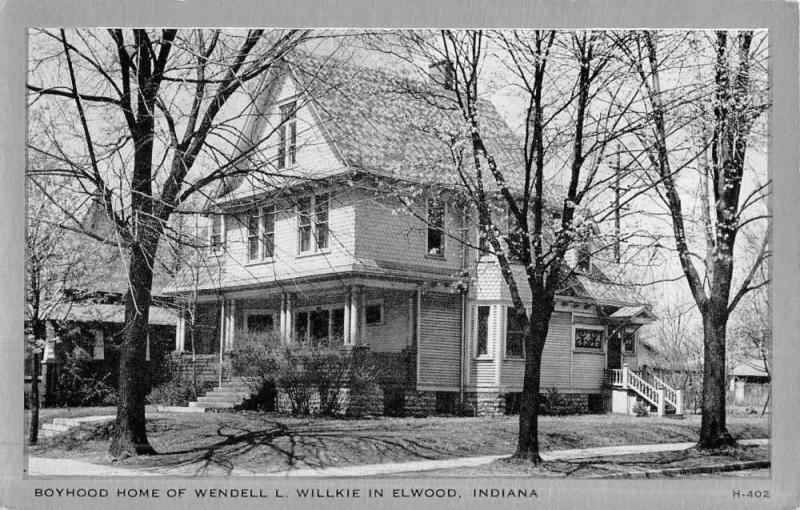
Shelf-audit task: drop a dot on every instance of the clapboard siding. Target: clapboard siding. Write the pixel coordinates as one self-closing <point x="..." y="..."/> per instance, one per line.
<point x="439" y="343"/>
<point x="555" y="357"/>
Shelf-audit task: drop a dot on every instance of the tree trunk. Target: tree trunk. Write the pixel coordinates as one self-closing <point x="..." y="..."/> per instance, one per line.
<point x="528" y="441"/>
<point x="713" y="432"/>
<point x="39" y="332"/>
<point x="130" y="435"/>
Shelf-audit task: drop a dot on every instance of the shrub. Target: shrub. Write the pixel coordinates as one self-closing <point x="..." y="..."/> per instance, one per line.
<point x="306" y="372"/>
<point x="641" y="409"/>
<point x="177" y="392"/>
<point x="80" y="383"/>
<point x="552" y="402"/>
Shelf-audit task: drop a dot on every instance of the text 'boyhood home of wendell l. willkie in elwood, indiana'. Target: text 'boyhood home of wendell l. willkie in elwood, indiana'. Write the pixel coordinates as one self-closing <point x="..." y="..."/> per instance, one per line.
<point x="362" y="234"/>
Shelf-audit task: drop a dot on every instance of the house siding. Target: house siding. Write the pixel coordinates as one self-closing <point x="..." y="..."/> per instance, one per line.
<point x="388" y="231"/>
<point x="555" y="358"/>
<point x="440" y="342"/>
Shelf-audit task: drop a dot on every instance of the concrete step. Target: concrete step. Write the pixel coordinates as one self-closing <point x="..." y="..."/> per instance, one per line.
<point x="179" y="409"/>
<point x="74" y="422"/>
<point x="229" y="394"/>
<point x="234" y="387"/>
<point x="223" y="398"/>
<point x="56" y="427"/>
<point x="219" y="405"/>
<point x="48" y="433"/>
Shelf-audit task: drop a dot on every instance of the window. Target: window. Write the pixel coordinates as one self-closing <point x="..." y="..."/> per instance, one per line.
<point x="629" y="341"/>
<point x="261" y="233"/>
<point x="313" y="225"/>
<point x="515" y="334"/>
<point x="435" y="228"/>
<point x="258" y="322"/>
<point x="484" y="246"/>
<point x="253" y="234"/>
<point x="217" y="233"/>
<point x="482" y="330"/>
<point x="321" y="220"/>
<point x="588" y="338"/>
<point x="373" y="314"/>
<point x="319" y="324"/>
<point x="98" y="349"/>
<point x="268" y="226"/>
<point x="304" y="212"/>
<point x="287" y="132"/>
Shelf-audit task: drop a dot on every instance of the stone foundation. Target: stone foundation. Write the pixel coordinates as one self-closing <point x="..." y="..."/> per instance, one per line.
<point x="485" y="403"/>
<point x="419" y="403"/>
<point x="206" y="365"/>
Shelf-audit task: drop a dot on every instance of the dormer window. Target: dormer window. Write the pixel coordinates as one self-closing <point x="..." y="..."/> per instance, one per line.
<point x="435" y="220"/>
<point x="287" y="143"/>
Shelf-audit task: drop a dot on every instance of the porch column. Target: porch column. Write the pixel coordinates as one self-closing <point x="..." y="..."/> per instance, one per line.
<point x="180" y="332"/>
<point x="660" y="399"/>
<point x="231" y="324"/>
<point x="355" y="315"/>
<point x="223" y="316"/>
<point x="289" y="320"/>
<point x="282" y="321"/>
<point x="348" y="338"/>
<point x="679" y="402"/>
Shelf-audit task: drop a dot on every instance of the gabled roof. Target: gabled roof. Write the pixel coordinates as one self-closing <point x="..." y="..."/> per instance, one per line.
<point x="389" y="125"/>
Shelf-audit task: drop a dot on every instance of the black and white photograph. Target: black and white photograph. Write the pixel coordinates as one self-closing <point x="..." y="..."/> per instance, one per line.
<point x="483" y="258"/>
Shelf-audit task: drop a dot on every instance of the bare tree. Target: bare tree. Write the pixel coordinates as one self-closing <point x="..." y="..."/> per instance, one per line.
<point x="727" y="103"/>
<point x="133" y="115"/>
<point x="537" y="196"/>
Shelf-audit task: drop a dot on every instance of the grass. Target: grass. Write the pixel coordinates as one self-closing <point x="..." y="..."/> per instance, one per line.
<point x="216" y="443"/>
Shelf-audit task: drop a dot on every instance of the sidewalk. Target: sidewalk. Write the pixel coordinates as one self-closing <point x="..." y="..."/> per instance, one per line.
<point x="63" y="467"/>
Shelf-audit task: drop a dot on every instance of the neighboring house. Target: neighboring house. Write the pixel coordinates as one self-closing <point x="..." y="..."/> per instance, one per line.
<point x="749" y="383"/>
<point x="316" y="242"/>
<point x="87" y="321"/>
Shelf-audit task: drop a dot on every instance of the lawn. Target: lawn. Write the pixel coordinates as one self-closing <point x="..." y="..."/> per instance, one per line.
<point x="215" y="443"/>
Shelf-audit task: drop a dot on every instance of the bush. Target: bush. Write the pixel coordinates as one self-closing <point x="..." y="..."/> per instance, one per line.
<point x="81" y="383"/>
<point x="552" y="402"/>
<point x="641" y="409"/>
<point x="309" y="373"/>
<point x="177" y="392"/>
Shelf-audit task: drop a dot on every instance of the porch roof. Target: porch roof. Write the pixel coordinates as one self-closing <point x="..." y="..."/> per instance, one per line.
<point x="93" y="312"/>
<point x="633" y="312"/>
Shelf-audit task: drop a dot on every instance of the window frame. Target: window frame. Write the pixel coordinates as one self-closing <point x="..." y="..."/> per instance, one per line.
<point x="509" y="311"/>
<point x="217" y="247"/>
<point x="429" y="228"/>
<point x="378" y="303"/>
<point x="262" y="234"/>
<point x="625" y="332"/>
<point x="476" y="350"/>
<point x="590" y="327"/>
<point x="308" y="221"/>
<point x="330" y="308"/>
<point x="249" y="312"/>
<point x="287" y="146"/>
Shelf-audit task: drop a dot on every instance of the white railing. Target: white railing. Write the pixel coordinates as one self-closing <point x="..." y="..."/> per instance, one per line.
<point x="658" y="394"/>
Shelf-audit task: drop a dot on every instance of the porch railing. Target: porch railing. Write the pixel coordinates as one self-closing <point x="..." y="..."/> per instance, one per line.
<point x="658" y="394"/>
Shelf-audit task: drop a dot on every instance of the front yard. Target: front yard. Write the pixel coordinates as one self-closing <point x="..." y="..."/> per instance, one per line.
<point x="216" y="443"/>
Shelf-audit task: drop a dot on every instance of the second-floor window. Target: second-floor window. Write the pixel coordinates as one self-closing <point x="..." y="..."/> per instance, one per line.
<point x="435" y="220"/>
<point x="287" y="133"/>
<point x="261" y="233"/>
<point x="313" y="229"/>
<point x="217" y="239"/>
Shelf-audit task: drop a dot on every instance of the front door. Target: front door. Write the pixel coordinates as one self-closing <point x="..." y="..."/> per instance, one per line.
<point x="614" y="352"/>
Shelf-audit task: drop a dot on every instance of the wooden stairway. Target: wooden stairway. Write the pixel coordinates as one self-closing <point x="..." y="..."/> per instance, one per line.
<point x="658" y="395"/>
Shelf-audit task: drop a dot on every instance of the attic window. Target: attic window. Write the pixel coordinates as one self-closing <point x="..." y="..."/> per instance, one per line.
<point x="287" y="144"/>
<point x="515" y="239"/>
<point x="435" y="222"/>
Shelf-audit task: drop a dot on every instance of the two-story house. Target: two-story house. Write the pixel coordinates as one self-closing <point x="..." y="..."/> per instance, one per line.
<point x="351" y="223"/>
